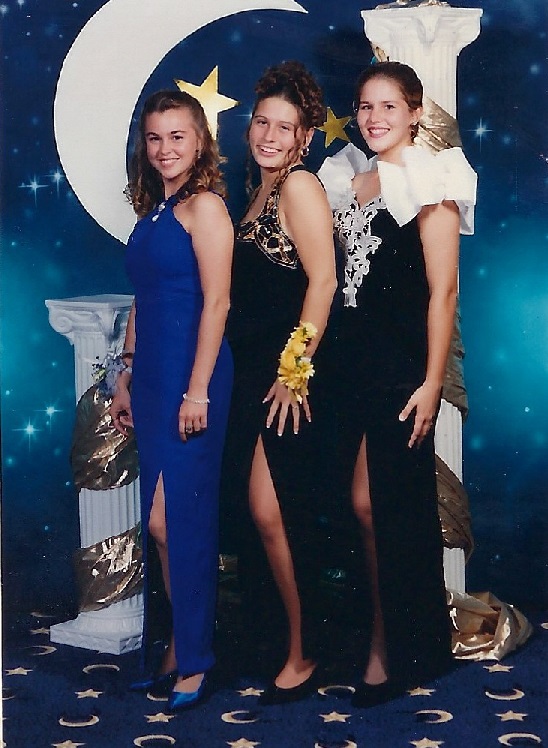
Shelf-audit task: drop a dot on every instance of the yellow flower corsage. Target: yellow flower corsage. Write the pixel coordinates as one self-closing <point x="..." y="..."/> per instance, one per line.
<point x="295" y="368"/>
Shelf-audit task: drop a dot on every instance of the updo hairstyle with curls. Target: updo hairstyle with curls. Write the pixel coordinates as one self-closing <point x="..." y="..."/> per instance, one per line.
<point x="292" y="82"/>
<point x="145" y="188"/>
<point x="402" y="75"/>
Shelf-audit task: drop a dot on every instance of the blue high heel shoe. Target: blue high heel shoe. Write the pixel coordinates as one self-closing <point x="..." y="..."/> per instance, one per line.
<point x="158" y="685"/>
<point x="180" y="700"/>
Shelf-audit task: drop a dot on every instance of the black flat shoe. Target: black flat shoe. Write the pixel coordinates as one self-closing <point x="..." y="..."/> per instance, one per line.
<point x="273" y="694"/>
<point x="366" y="695"/>
<point x="157" y="685"/>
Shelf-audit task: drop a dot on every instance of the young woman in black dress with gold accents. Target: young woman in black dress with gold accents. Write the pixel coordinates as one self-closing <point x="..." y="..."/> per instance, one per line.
<point x="283" y="284"/>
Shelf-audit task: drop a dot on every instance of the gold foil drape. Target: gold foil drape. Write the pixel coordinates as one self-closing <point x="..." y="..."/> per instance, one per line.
<point x="484" y="628"/>
<point x="109" y="571"/>
<point x="101" y="457"/>
<point x="453" y="510"/>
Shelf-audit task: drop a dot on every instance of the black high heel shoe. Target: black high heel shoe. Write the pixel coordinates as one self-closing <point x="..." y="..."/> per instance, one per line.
<point x="273" y="694"/>
<point x="157" y="685"/>
<point x="366" y="695"/>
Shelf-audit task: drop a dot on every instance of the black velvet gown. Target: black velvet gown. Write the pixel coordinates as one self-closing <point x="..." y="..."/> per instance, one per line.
<point x="268" y="289"/>
<point x="382" y="350"/>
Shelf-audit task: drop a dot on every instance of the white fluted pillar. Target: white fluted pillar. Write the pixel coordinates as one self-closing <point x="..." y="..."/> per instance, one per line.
<point x="430" y="39"/>
<point x="93" y="324"/>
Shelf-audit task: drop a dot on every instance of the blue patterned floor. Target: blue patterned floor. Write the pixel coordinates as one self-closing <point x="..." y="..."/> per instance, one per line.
<point x="66" y="697"/>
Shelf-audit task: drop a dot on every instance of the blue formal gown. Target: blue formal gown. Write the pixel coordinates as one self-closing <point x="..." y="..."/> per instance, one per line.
<point x="163" y="268"/>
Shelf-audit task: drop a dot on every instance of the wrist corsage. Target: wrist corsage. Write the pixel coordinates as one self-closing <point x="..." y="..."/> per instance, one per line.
<point x="295" y="368"/>
<point x="106" y="373"/>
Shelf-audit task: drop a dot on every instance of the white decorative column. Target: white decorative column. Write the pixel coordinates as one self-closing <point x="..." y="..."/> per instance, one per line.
<point x="429" y="38"/>
<point x="93" y="324"/>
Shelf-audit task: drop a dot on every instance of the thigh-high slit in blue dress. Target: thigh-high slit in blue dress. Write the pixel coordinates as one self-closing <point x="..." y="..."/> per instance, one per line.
<point x="168" y="300"/>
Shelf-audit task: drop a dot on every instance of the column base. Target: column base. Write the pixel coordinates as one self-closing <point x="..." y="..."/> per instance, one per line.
<point x="114" y="630"/>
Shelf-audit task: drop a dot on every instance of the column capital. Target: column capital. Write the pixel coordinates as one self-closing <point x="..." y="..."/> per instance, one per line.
<point x="88" y="314"/>
<point x="429" y="38"/>
<point x="422" y="25"/>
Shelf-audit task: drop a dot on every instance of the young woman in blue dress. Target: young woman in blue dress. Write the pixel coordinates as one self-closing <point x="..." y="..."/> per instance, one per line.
<point x="180" y="369"/>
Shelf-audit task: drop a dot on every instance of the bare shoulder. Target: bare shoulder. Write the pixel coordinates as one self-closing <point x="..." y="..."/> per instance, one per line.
<point x="445" y="210"/>
<point x="300" y="185"/>
<point x="201" y="206"/>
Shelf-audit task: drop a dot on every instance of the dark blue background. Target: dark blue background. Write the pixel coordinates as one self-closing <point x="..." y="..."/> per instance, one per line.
<point x="51" y="248"/>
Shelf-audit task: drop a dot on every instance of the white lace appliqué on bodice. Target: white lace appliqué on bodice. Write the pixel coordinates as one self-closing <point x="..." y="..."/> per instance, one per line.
<point x="353" y="226"/>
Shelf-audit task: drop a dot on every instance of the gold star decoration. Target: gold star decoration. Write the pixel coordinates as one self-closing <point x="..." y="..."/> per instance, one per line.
<point x="335" y="717"/>
<point x="39" y="631"/>
<point x="67" y="744"/>
<point x="510" y="715"/>
<point x="89" y="694"/>
<point x="250" y="692"/>
<point x="498" y="668"/>
<point x="209" y="97"/>
<point x="19" y="671"/>
<point x="333" y="127"/>
<point x="243" y="743"/>
<point x="160" y="717"/>
<point x="426" y="743"/>
<point x="422" y="691"/>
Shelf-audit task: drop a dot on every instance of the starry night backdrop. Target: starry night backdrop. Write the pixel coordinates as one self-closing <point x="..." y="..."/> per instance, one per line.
<point x="51" y="248"/>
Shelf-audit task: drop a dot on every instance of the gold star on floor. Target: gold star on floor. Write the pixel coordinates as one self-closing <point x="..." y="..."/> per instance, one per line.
<point x="498" y="668"/>
<point x="18" y="671"/>
<point x="67" y="744"/>
<point x="89" y="694"/>
<point x="335" y="717"/>
<point x="426" y="743"/>
<point x="209" y="97"/>
<point x="333" y="127"/>
<point x="243" y="743"/>
<point x="422" y="691"/>
<point x="510" y="715"/>
<point x="250" y="692"/>
<point x="160" y="717"/>
<point x="39" y="631"/>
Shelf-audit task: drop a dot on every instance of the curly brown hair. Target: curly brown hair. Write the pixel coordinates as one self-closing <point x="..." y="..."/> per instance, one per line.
<point x="402" y="75"/>
<point x="292" y="82"/>
<point x="145" y="188"/>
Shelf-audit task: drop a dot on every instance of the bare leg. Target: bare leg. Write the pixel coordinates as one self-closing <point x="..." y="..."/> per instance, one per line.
<point x="158" y="530"/>
<point x="375" y="671"/>
<point x="266" y="513"/>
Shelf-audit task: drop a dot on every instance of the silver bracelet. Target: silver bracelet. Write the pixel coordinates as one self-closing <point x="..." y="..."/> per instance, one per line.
<point x="196" y="402"/>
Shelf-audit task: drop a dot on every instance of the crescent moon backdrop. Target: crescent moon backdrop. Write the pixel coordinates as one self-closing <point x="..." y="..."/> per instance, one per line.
<point x="98" y="89"/>
<point x="63" y="221"/>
